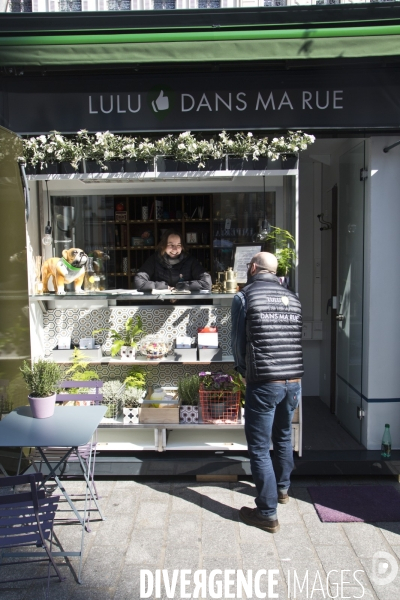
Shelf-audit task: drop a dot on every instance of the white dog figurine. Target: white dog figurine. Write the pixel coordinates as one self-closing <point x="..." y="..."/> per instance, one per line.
<point x="70" y="268"/>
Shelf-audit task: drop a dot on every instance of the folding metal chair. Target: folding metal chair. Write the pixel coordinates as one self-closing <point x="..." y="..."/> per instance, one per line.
<point x="87" y="452"/>
<point x="26" y="519"/>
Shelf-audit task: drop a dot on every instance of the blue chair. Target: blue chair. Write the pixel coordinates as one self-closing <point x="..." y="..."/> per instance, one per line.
<point x="26" y="519"/>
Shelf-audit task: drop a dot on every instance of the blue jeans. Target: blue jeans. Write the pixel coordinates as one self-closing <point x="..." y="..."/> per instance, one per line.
<point x="268" y="416"/>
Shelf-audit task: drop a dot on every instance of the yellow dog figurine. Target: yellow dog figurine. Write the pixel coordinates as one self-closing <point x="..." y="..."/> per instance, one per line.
<point x="70" y="268"/>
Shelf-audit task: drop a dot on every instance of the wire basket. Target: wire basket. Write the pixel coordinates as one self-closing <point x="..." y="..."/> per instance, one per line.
<point x="219" y="406"/>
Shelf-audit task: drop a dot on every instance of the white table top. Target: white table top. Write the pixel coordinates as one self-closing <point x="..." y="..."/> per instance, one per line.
<point x="70" y="426"/>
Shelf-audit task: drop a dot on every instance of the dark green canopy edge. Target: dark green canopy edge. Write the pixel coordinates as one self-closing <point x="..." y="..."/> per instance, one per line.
<point x="204" y="51"/>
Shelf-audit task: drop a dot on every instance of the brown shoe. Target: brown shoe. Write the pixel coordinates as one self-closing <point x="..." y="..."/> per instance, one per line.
<point x="251" y="516"/>
<point x="283" y="498"/>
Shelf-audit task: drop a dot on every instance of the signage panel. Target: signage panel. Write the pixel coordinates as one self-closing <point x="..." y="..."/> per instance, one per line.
<point x="299" y="99"/>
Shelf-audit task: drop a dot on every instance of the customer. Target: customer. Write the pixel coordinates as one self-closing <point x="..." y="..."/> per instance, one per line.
<point x="172" y="268"/>
<point x="266" y="345"/>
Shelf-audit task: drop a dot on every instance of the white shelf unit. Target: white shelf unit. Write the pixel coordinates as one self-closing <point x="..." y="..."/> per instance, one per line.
<point x="202" y="436"/>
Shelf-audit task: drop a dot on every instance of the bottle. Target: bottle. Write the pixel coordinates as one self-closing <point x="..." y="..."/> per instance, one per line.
<point x="386" y="442"/>
<point x="90" y="276"/>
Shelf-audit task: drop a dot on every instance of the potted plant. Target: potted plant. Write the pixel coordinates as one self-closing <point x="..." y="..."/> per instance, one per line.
<point x="219" y="397"/>
<point x="136" y="378"/>
<point x="284" y="249"/>
<point x="239" y="386"/>
<point x="188" y="392"/>
<point x="125" y="341"/>
<point x="113" y="398"/>
<point x="41" y="378"/>
<point x="132" y="398"/>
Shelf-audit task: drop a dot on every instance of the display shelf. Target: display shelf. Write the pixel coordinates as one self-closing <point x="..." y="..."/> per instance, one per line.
<point x="109" y="360"/>
<point x="205" y="437"/>
<point x="125" y="437"/>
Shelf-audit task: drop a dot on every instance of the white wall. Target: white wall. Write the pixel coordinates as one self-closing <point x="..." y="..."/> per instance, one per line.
<point x="382" y="293"/>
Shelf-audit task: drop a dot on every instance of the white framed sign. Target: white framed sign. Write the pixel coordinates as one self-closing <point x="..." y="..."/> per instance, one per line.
<point x="243" y="253"/>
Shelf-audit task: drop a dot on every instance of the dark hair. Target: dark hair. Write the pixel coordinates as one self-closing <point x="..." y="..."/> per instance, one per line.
<point x="162" y="246"/>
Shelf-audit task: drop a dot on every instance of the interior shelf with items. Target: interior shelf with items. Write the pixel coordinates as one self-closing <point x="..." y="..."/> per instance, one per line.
<point x="122" y="231"/>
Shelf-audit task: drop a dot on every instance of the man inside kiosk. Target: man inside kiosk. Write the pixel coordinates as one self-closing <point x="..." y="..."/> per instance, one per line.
<point x="171" y="268"/>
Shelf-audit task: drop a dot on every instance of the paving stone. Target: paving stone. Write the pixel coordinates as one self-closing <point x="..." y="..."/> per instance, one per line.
<point x="121" y="502"/>
<point x="259" y="556"/>
<point x="145" y="547"/>
<point x="330" y="534"/>
<point x="391" y="531"/>
<point x="218" y="537"/>
<point x="395" y="550"/>
<point x="151" y="514"/>
<point x="215" y="509"/>
<point x="366" y="539"/>
<point x="187" y="557"/>
<point x="102" y="568"/>
<point x="289" y="551"/>
<point x="114" y="531"/>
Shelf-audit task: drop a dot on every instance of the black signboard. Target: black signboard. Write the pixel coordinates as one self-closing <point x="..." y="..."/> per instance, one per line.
<point x="300" y="99"/>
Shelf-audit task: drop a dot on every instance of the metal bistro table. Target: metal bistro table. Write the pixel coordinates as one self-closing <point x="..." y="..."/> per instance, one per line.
<point x="69" y="428"/>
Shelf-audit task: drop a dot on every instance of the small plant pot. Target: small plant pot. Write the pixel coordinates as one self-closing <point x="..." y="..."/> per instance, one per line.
<point x="131" y="415"/>
<point x="65" y="168"/>
<point x="42" y="408"/>
<point x="188" y="413"/>
<point x="128" y="353"/>
<point x="131" y="165"/>
<point x="31" y="170"/>
<point x="51" y="169"/>
<point x="217" y="410"/>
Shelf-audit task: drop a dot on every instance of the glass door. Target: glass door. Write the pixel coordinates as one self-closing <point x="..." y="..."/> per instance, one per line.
<point x="350" y="289"/>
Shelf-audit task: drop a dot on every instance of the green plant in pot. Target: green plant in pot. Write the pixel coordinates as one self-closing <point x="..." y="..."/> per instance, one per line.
<point x="79" y="371"/>
<point x="125" y="341"/>
<point x="132" y="399"/>
<point x="41" y="378"/>
<point x="136" y="378"/>
<point x="113" y="392"/>
<point x="284" y="248"/>
<point x="188" y="392"/>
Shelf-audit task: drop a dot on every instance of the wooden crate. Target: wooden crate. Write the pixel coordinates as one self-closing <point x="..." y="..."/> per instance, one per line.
<point x="149" y="414"/>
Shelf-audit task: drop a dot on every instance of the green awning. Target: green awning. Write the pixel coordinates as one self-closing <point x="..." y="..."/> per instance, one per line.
<point x="222" y="50"/>
<point x="295" y="41"/>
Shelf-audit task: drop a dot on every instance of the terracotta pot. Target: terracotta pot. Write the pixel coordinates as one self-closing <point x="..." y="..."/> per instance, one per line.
<point x="42" y="408"/>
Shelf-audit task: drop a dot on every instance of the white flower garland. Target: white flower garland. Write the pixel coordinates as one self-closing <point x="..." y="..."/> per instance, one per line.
<point x="187" y="147"/>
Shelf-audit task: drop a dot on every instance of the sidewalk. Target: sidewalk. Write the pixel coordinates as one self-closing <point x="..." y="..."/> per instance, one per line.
<point x="188" y="525"/>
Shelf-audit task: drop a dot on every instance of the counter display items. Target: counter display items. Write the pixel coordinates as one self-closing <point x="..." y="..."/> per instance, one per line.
<point x="68" y="269"/>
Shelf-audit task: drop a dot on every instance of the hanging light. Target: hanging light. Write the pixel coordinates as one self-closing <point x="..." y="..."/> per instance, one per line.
<point x="47" y="238"/>
<point x="265" y="228"/>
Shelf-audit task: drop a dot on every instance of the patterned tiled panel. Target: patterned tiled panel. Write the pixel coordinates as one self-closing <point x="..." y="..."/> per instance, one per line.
<point x="166" y="375"/>
<point x="166" y="322"/>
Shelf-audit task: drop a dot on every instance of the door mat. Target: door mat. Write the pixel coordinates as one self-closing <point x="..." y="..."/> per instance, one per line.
<point x="356" y="503"/>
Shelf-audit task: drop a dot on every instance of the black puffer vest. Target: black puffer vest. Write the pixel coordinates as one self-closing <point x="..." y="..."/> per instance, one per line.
<point x="273" y="331"/>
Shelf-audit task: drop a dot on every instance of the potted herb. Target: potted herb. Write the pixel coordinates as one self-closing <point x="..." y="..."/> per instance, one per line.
<point x="113" y="398"/>
<point x="132" y="398"/>
<point x="41" y="378"/>
<point x="125" y="341"/>
<point x="188" y="392"/>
